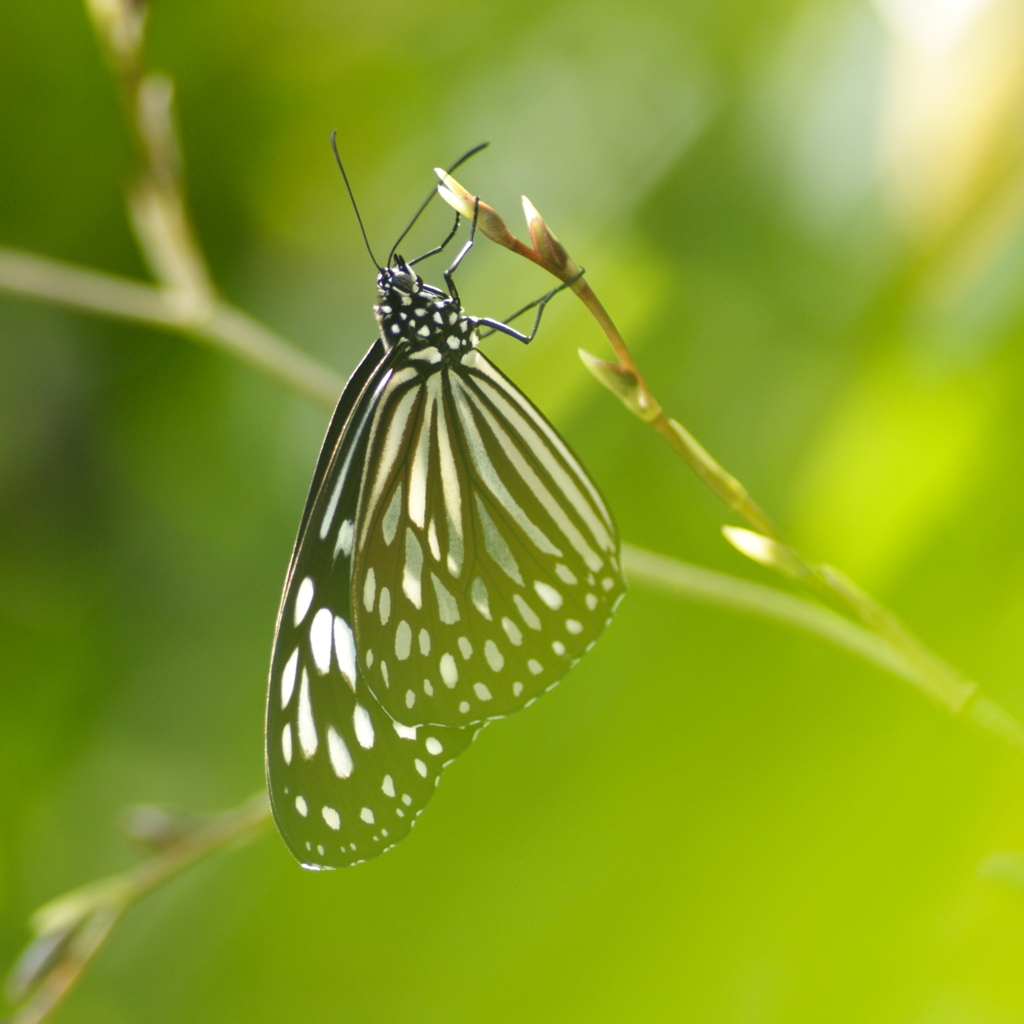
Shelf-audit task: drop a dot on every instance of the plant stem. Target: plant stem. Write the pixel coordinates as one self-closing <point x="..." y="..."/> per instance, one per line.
<point x="72" y="929"/>
<point x="221" y="325"/>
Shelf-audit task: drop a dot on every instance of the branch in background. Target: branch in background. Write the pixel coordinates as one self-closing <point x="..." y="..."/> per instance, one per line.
<point x="716" y="588"/>
<point x="221" y="325"/>
<point x="69" y="931"/>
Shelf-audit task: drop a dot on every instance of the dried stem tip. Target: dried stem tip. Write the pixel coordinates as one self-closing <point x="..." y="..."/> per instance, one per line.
<point x="121" y="24"/>
<point x="469" y="206"/>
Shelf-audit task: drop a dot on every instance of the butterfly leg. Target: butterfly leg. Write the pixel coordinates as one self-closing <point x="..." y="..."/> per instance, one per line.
<point x="449" y="274"/>
<point x="441" y="247"/>
<point x="503" y="327"/>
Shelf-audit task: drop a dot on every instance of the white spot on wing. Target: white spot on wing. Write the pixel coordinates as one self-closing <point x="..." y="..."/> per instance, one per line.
<point x="363" y="726"/>
<point x="403" y="640"/>
<point x="434" y="746"/>
<point x="288" y="677"/>
<point x="530" y="617"/>
<point x="405" y="732"/>
<point x="424" y="642"/>
<point x="512" y="631"/>
<point x="551" y="597"/>
<point x="370" y="589"/>
<point x="300" y="806"/>
<point x="573" y="626"/>
<point x="494" y="657"/>
<point x="303" y="599"/>
<point x="286" y="743"/>
<point x="465" y="647"/>
<point x="481" y="691"/>
<point x="388" y="786"/>
<point x="446" y="603"/>
<point x="389" y="526"/>
<point x="420" y="767"/>
<point x="344" y="543"/>
<point x="420" y="469"/>
<point x="341" y="759"/>
<point x="413" y="571"/>
<point x="321" y="639"/>
<point x="591" y="600"/>
<point x="517" y="689"/>
<point x="449" y="670"/>
<point x="345" y="650"/>
<point x="385" y="605"/>
<point x="535" y="666"/>
<point x="367" y="815"/>
<point x="307" y="727"/>
<point x="565" y="574"/>
<point x="478" y="592"/>
<point x="332" y="818"/>
<point x="558" y="647"/>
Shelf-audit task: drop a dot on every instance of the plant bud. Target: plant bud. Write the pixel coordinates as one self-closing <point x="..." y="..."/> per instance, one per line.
<point x="547" y="244"/>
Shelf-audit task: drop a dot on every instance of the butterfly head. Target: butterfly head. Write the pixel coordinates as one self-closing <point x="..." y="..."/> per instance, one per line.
<point x="399" y="283"/>
<point x="417" y="314"/>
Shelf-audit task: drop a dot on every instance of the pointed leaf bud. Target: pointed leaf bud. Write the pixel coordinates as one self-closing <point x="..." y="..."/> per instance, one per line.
<point x="38" y="957"/>
<point x="73" y="908"/>
<point x="547" y="244"/>
<point x="458" y="202"/>
<point x="765" y="551"/>
<point x="488" y="221"/>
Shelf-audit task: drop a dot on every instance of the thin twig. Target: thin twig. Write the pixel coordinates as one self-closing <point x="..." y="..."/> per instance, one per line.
<point x="716" y="588"/>
<point x="222" y="325"/>
<point x="78" y="923"/>
<point x="70" y="930"/>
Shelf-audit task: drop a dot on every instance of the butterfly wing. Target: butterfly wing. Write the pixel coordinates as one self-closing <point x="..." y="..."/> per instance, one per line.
<point x="487" y="562"/>
<point x="346" y="782"/>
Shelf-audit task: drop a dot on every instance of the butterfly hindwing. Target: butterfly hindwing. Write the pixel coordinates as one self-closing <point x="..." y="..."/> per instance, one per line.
<point x="346" y="781"/>
<point x="487" y="563"/>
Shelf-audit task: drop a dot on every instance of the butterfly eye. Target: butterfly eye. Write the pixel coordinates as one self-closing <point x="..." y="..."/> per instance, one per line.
<point x="403" y="282"/>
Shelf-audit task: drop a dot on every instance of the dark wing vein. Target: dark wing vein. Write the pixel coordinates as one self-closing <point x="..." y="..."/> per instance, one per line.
<point x="488" y="562"/>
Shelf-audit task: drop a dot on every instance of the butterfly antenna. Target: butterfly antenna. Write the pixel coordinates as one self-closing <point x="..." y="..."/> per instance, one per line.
<point x="352" y="198"/>
<point x="426" y="202"/>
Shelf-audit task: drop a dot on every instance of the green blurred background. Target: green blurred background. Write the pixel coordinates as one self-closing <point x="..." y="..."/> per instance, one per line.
<point x="808" y="218"/>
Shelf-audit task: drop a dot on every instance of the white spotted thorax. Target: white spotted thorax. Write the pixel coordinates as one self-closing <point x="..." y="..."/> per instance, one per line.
<point x="453" y="561"/>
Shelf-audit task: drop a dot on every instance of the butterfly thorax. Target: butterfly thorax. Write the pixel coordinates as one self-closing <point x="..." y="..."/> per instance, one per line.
<point x="425" y="319"/>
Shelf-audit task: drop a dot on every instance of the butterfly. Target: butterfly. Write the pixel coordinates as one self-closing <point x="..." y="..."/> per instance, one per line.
<point x="453" y="561"/>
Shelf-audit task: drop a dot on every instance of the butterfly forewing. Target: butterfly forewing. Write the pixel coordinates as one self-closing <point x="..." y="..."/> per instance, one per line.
<point x="487" y="562"/>
<point x="346" y="781"/>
